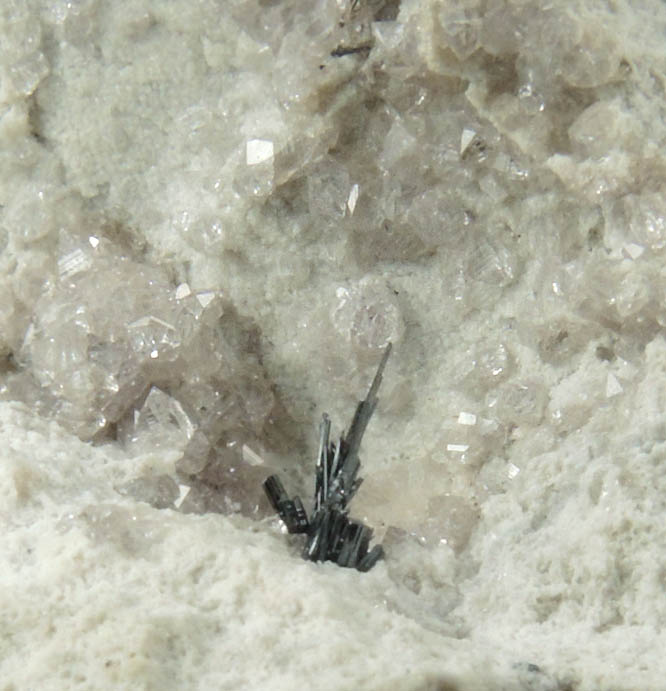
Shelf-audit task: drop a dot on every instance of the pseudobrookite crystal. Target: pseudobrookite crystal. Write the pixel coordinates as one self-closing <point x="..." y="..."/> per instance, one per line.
<point x="331" y="536"/>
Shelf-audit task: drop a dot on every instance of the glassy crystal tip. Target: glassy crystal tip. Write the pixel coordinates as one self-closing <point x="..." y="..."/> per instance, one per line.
<point x="330" y="534"/>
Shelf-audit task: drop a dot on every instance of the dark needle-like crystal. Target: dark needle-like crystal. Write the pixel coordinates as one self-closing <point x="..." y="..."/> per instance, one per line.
<point x="331" y="534"/>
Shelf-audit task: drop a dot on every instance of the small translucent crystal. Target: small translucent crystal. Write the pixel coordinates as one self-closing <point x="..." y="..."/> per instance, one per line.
<point x="507" y="165"/>
<point x="183" y="491"/>
<point x="519" y="402"/>
<point x="487" y="366"/>
<point x="460" y="28"/>
<point x="153" y="337"/>
<point x="613" y="386"/>
<point x="451" y="520"/>
<point x="437" y="217"/>
<point x="512" y="471"/>
<point x="183" y="291"/>
<point x="195" y="454"/>
<point x="634" y="293"/>
<point x="531" y="100"/>
<point x="203" y="231"/>
<point x="161" y="422"/>
<point x="466" y="418"/>
<point x="469" y="445"/>
<point x="598" y="128"/>
<point x="559" y="340"/>
<point x="352" y="199"/>
<point x="368" y="315"/>
<point x="493" y="263"/>
<point x="205" y="297"/>
<point x="647" y="218"/>
<point x="72" y="263"/>
<point x="594" y="60"/>
<point x="32" y="216"/>
<point x="258" y="151"/>
<point x="328" y="191"/>
<point x="399" y="143"/>
<point x="633" y="250"/>
<point x="250" y="456"/>
<point x="466" y="139"/>
<point x="255" y="179"/>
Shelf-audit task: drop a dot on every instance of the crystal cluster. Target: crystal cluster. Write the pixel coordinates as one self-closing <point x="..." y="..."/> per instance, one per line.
<point x="331" y="535"/>
<point x="115" y="348"/>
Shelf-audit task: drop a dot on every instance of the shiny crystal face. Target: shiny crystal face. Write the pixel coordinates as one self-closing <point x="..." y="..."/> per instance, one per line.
<point x="214" y="216"/>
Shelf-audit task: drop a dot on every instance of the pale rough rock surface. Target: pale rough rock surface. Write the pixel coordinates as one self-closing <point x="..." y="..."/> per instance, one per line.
<point x="213" y="217"/>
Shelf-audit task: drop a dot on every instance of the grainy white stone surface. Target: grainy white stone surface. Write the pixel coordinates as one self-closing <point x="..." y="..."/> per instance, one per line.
<point x="213" y="217"/>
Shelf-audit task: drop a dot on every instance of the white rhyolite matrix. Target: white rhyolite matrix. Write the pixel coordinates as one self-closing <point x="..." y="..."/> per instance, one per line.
<point x="213" y="217"/>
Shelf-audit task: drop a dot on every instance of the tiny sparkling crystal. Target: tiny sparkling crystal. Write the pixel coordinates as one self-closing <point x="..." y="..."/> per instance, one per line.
<point x="466" y="418"/>
<point x="258" y="151"/>
<point x="352" y="199"/>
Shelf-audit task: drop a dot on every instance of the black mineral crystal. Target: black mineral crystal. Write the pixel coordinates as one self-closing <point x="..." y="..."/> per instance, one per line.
<point x="330" y="534"/>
